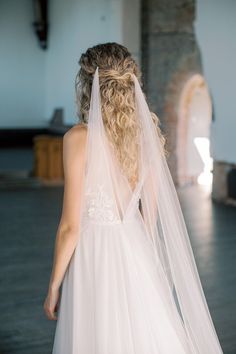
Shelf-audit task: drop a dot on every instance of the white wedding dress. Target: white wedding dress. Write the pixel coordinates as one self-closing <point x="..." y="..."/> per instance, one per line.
<point x="132" y="286"/>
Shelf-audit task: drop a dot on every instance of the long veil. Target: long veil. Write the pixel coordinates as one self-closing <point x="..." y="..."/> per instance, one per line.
<point x="160" y="213"/>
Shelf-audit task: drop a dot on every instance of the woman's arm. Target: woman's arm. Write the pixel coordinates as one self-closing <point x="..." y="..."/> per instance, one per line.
<point x="74" y="145"/>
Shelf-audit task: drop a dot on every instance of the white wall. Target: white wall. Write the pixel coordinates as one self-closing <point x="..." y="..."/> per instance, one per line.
<point x="34" y="82"/>
<point x="22" y="67"/>
<point x="216" y="32"/>
<point x="75" y="26"/>
<point x="131" y="27"/>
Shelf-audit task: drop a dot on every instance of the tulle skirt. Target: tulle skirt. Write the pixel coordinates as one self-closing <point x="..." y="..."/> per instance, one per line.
<point x="115" y="297"/>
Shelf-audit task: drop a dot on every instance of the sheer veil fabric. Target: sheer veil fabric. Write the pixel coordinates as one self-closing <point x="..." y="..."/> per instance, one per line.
<point x="132" y="286"/>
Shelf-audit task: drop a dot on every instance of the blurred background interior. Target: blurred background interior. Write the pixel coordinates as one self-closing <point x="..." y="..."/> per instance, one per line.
<point x="186" y="50"/>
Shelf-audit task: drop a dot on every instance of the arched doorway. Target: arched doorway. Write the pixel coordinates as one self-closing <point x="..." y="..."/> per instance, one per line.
<point x="193" y="133"/>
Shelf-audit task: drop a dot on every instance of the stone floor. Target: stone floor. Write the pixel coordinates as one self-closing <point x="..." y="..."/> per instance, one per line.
<point x="29" y="218"/>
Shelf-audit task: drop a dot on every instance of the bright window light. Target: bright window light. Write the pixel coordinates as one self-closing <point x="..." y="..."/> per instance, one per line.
<point x="203" y="147"/>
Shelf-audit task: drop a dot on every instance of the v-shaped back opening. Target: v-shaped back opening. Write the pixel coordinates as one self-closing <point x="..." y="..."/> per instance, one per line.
<point x="124" y="195"/>
<point x="134" y="193"/>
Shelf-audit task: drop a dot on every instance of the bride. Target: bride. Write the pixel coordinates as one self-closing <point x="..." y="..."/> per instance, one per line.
<point x="123" y="260"/>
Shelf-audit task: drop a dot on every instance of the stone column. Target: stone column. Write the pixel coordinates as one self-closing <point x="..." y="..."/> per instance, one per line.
<point x="170" y="56"/>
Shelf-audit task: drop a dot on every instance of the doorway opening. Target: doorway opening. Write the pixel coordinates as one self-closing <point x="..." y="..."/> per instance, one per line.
<point x="193" y="133"/>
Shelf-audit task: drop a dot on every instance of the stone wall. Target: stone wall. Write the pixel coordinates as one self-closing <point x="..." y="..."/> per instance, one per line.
<point x="224" y="188"/>
<point x="170" y="57"/>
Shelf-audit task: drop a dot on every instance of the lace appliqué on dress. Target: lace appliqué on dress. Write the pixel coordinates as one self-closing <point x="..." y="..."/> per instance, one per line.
<point x="100" y="206"/>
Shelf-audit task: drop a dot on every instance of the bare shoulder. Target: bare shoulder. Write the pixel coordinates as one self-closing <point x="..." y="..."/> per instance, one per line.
<point x="74" y="144"/>
<point x="77" y="133"/>
<point x="75" y="137"/>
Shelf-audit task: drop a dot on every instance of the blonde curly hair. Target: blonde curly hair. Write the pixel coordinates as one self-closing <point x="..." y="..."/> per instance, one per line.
<point x="117" y="100"/>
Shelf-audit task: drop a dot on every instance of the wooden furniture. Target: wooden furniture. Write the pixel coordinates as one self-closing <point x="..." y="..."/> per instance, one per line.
<point x="48" y="164"/>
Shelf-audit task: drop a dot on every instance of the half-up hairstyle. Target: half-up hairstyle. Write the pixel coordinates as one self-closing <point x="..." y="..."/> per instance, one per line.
<point x="117" y="100"/>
